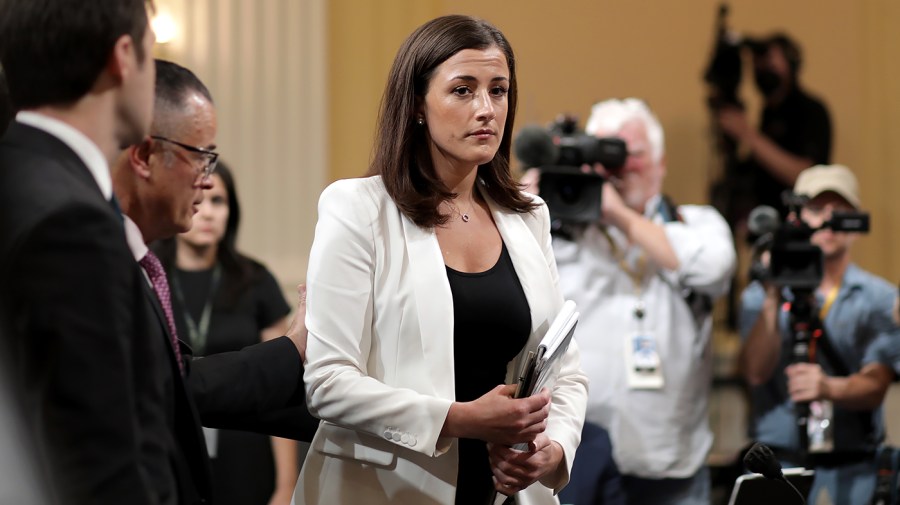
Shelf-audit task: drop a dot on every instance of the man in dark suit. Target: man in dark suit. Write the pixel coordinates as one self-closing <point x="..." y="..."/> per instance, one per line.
<point x="71" y="299"/>
<point x="102" y="389"/>
<point x="159" y="183"/>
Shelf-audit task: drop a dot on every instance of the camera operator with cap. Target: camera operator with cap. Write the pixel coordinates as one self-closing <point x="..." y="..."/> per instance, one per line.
<point x="848" y="376"/>
<point x="643" y="279"/>
<point x="795" y="129"/>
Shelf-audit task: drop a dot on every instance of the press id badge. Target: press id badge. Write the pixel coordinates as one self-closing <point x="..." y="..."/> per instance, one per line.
<point x="820" y="426"/>
<point x="643" y="362"/>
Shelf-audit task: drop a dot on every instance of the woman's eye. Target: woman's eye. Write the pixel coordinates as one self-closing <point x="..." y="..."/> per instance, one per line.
<point x="461" y="91"/>
<point x="499" y="91"/>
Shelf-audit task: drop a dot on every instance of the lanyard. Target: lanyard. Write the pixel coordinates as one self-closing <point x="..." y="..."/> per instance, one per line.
<point x="636" y="274"/>
<point x="829" y="301"/>
<point x="198" y="333"/>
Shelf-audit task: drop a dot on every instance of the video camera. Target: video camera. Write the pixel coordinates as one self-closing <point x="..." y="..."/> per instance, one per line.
<point x="559" y="152"/>
<point x="794" y="262"/>
<point x="723" y="73"/>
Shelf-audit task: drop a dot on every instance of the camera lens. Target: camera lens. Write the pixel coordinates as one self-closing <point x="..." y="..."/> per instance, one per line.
<point x="569" y="193"/>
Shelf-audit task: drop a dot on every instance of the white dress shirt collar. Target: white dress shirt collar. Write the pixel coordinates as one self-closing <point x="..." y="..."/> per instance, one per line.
<point x="135" y="239"/>
<point x="84" y="147"/>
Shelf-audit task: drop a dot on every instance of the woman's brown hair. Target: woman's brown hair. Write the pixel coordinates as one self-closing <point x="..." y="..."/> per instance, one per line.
<point x="402" y="156"/>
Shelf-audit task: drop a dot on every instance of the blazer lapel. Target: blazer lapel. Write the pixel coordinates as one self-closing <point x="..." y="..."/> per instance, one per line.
<point x="529" y="262"/>
<point x="544" y="300"/>
<point x="434" y="305"/>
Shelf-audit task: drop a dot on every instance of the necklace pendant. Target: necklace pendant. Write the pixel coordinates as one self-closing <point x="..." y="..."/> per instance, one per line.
<point x="465" y="218"/>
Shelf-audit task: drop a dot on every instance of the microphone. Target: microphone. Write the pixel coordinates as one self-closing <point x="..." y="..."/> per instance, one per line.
<point x="760" y="459"/>
<point x="763" y="219"/>
<point x="534" y="147"/>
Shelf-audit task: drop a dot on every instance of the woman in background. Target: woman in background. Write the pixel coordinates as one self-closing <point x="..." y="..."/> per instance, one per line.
<point x="224" y="301"/>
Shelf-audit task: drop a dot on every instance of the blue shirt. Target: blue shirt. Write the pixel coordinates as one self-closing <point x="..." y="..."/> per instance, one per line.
<point x="861" y="330"/>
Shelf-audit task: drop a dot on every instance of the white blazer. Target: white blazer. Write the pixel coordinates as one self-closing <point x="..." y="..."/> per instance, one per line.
<point x="380" y="352"/>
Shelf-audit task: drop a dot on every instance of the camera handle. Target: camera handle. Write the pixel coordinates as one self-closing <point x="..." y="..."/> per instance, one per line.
<point x="803" y="322"/>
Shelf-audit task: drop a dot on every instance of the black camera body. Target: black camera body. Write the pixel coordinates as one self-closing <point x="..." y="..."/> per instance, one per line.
<point x="794" y="262"/>
<point x="559" y="152"/>
<point x="724" y="70"/>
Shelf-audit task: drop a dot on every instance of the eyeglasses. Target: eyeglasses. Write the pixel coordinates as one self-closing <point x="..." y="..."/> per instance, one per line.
<point x="211" y="157"/>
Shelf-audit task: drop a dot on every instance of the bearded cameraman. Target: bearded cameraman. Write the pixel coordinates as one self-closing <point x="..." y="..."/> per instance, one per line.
<point x="853" y="308"/>
<point x="794" y="131"/>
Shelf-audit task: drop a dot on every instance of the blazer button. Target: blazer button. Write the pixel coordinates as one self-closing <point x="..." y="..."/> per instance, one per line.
<point x="387" y="434"/>
<point x="412" y="441"/>
<point x="396" y="437"/>
<point x="404" y="438"/>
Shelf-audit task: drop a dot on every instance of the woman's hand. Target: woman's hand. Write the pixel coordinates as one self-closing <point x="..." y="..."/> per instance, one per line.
<point x="499" y="418"/>
<point x="515" y="470"/>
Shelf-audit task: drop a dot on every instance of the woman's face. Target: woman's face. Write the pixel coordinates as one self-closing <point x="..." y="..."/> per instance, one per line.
<point x="465" y="108"/>
<point x="211" y="217"/>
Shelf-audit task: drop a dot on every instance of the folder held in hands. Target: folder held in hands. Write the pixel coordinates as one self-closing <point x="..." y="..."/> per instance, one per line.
<point x="542" y="365"/>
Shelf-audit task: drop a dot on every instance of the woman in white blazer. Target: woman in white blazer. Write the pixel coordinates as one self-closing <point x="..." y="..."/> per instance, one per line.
<point x="428" y="283"/>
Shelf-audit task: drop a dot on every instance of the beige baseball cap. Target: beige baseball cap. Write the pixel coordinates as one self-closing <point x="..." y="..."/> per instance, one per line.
<point x="816" y="180"/>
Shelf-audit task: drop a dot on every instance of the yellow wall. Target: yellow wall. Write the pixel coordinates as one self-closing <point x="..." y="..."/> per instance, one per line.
<point x="572" y="53"/>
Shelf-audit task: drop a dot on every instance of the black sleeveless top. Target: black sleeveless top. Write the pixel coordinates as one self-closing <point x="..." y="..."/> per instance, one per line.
<point x="492" y="322"/>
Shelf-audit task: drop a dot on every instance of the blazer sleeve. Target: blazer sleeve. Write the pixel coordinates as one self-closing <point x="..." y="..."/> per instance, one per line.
<point x="569" y="395"/>
<point x="340" y="315"/>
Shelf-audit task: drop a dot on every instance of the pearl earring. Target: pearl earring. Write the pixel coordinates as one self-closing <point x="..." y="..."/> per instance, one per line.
<point x="421" y="121"/>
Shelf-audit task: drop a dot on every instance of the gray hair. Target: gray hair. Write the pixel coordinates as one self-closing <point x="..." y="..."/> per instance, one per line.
<point x="611" y="115"/>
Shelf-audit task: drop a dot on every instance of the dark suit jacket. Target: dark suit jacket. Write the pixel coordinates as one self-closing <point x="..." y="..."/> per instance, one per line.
<point x="71" y="306"/>
<point x="259" y="388"/>
<point x="113" y="420"/>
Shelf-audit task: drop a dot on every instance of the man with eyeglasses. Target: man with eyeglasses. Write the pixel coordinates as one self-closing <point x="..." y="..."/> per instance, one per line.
<point x="159" y="183"/>
<point x="856" y="361"/>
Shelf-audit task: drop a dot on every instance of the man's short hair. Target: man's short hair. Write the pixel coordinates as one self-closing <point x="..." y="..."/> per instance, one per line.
<point x="54" y="50"/>
<point x="173" y="84"/>
<point x="610" y="115"/>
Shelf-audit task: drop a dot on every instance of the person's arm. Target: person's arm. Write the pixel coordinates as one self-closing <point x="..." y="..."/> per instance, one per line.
<point x="761" y="350"/>
<point x="260" y="377"/>
<point x="863" y="390"/>
<point x="284" y="451"/>
<point x="649" y="236"/>
<point x="783" y="165"/>
<point x="293" y="421"/>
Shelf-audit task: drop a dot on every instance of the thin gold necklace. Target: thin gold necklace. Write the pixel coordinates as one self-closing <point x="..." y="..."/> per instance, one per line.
<point x="464" y="216"/>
